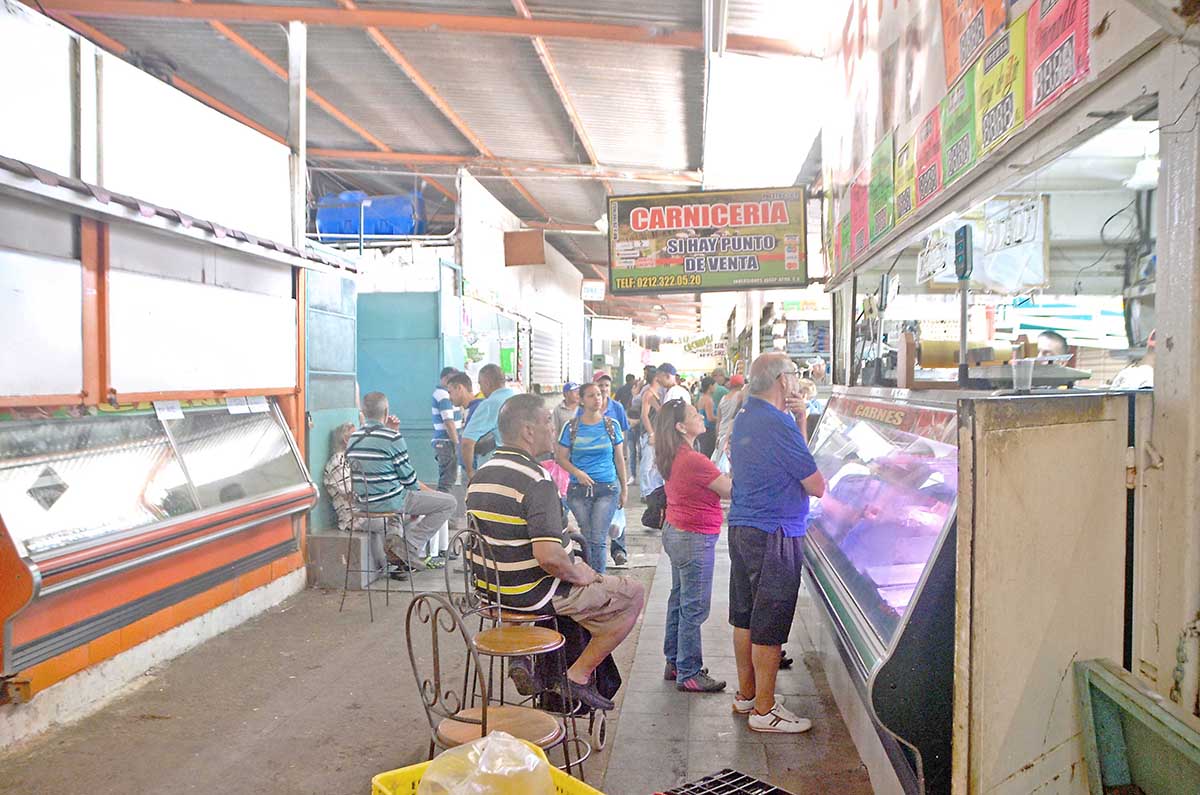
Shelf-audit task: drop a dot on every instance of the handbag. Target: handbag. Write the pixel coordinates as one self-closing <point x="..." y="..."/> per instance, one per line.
<point x="656" y="508"/>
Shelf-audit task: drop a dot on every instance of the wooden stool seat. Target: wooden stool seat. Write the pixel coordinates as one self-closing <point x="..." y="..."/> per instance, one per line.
<point x="518" y="641"/>
<point x="540" y="728"/>
<point x="506" y="616"/>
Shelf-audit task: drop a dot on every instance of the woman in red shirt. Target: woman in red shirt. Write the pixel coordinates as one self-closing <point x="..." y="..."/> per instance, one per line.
<point x="694" y="490"/>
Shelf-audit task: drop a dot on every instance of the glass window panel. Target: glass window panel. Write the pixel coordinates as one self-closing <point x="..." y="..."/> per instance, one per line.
<point x="230" y="457"/>
<point x="72" y="479"/>
<point x="892" y="489"/>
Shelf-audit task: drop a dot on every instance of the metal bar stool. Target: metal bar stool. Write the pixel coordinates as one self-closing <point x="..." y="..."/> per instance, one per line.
<point x="513" y="633"/>
<point x="373" y="524"/>
<point x="453" y="718"/>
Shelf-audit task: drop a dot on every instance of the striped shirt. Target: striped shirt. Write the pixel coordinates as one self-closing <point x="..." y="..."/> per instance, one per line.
<point x="514" y="502"/>
<point x="443" y="412"/>
<point x="380" y="471"/>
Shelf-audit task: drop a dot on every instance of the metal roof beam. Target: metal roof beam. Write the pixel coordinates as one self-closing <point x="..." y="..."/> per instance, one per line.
<point x="413" y="20"/>
<point x="598" y="171"/>
<point x="439" y="102"/>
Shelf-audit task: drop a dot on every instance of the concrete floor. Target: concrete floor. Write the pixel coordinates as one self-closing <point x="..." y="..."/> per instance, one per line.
<point x="304" y="699"/>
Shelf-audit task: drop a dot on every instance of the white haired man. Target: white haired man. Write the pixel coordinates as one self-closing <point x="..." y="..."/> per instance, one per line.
<point x="774" y="475"/>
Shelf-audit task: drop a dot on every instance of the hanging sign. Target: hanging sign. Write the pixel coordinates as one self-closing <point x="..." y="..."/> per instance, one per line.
<point x="1057" y="51"/>
<point x="1000" y="87"/>
<point x="966" y="27"/>
<point x="936" y="258"/>
<point x="881" y="194"/>
<point x="707" y="240"/>
<point x="959" y="148"/>
<point x="592" y="290"/>
<point x="929" y="157"/>
<point x="906" y="183"/>
<point x="859" y="214"/>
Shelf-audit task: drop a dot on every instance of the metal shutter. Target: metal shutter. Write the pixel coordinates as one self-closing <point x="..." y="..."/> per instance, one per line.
<point x="546" y="358"/>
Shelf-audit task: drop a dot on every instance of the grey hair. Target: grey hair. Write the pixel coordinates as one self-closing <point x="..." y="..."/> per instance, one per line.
<point x="375" y="406"/>
<point x="339" y="436"/>
<point x="492" y="374"/>
<point x="517" y="412"/>
<point x="765" y="370"/>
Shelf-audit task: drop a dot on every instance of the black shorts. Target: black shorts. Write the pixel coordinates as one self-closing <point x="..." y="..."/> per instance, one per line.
<point x="764" y="583"/>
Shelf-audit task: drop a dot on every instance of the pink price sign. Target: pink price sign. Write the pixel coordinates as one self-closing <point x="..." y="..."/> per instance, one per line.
<point x="859" y="213"/>
<point x="1058" y="55"/>
<point x="929" y="157"/>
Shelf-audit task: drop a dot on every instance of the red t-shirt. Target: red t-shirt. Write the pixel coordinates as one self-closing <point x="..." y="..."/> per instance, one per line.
<point x="691" y="504"/>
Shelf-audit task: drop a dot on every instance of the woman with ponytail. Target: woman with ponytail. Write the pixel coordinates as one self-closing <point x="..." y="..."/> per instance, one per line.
<point x="694" y="488"/>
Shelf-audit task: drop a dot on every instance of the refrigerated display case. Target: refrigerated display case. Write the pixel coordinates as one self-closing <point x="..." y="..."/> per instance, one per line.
<point x="111" y="514"/>
<point x="944" y="568"/>
<point x="880" y="552"/>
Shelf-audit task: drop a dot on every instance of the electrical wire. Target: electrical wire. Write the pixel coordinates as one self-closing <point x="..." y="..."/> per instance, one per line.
<point x="1136" y="223"/>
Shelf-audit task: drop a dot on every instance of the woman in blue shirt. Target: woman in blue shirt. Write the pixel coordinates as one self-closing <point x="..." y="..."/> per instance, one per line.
<point x="591" y="449"/>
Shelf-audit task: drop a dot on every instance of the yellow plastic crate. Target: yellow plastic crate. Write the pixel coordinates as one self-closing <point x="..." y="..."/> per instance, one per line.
<point x="404" y="780"/>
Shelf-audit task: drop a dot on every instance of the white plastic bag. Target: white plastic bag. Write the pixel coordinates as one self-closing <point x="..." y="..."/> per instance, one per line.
<point x="498" y="764"/>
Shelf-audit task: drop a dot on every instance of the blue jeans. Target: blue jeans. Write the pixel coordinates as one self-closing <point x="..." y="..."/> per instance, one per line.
<point x="446" y="454"/>
<point x="594" y="507"/>
<point x="692" y="556"/>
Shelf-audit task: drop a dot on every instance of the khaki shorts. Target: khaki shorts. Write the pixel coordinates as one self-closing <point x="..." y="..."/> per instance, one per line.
<point x="602" y="607"/>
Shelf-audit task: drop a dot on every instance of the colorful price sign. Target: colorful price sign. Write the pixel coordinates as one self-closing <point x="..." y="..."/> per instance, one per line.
<point x="881" y="198"/>
<point x="966" y="27"/>
<point x="1000" y="87"/>
<point x="960" y="150"/>
<point x="929" y="157"/>
<point x="906" y="180"/>
<point x="844" y="243"/>
<point x="1058" y="51"/>
<point x="859" y="214"/>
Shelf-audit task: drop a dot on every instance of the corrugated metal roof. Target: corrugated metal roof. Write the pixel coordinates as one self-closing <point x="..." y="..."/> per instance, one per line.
<point x="801" y="23"/>
<point x="350" y="70"/>
<point x="640" y="106"/>
<point x="572" y="201"/>
<point x="499" y="88"/>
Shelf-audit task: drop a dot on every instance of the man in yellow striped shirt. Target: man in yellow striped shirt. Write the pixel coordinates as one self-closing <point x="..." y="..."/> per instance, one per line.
<point x="516" y="507"/>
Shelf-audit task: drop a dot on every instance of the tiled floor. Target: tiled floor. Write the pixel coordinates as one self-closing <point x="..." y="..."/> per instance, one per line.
<point x="662" y="737"/>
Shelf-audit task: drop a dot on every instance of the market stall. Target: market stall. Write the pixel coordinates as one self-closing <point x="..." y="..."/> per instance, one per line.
<point x="944" y="578"/>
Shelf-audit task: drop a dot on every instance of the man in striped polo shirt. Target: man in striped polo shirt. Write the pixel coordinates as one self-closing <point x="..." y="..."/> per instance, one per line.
<point x="445" y="431"/>
<point x="384" y="479"/>
<point x="516" y="507"/>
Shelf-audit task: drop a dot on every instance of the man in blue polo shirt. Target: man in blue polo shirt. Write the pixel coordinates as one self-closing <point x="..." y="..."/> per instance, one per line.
<point x="481" y="437"/>
<point x="773" y="476"/>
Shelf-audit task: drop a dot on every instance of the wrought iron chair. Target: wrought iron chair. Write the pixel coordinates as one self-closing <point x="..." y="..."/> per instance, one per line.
<point x="505" y="633"/>
<point x="373" y="524"/>
<point x="454" y="716"/>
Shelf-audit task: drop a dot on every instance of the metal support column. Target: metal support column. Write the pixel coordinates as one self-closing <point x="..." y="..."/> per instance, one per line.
<point x="297" y="136"/>
<point x="1176" y="434"/>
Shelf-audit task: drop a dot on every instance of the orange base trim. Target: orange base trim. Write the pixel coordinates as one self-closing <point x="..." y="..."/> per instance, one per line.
<point x="56" y="669"/>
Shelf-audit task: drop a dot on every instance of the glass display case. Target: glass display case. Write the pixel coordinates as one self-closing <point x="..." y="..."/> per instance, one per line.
<point x="80" y="476"/>
<point x="892" y="486"/>
<point x="879" y="555"/>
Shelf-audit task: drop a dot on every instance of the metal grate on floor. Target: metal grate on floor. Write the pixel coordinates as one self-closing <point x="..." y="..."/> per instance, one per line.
<point x="727" y="782"/>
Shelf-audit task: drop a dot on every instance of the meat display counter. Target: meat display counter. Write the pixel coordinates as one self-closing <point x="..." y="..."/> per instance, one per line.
<point x="942" y="569"/>
<point x="110" y="514"/>
<point x="880" y="549"/>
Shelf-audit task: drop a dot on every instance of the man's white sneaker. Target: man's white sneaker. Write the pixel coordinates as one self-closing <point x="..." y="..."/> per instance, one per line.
<point x="779" y="721"/>
<point x="744" y="706"/>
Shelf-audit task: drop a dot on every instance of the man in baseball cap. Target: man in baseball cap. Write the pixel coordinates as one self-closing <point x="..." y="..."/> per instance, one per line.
<point x="569" y="406"/>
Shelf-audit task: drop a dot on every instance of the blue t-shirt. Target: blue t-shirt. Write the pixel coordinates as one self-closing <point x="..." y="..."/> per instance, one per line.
<point x="593" y="450"/>
<point x="615" y="410"/>
<point x="768" y="458"/>
<point x="486" y="418"/>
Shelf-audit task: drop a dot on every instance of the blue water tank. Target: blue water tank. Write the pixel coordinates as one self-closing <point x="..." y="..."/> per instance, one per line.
<point x="338" y="214"/>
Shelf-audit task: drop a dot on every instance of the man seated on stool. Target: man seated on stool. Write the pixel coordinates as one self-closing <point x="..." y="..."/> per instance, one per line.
<point x="517" y="509"/>
<point x="384" y="479"/>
